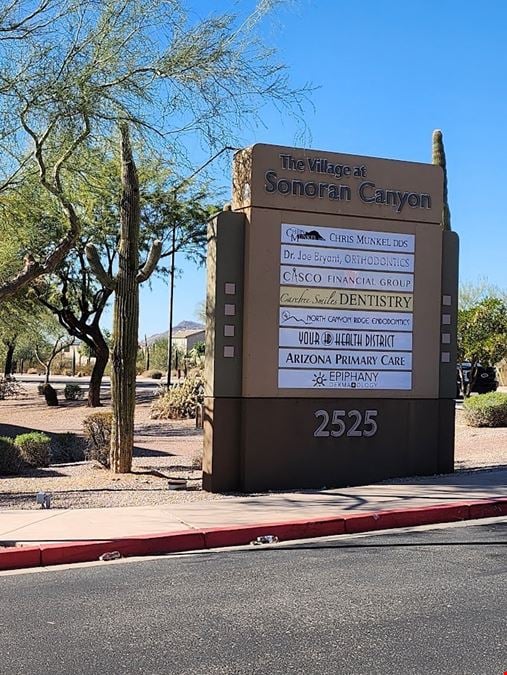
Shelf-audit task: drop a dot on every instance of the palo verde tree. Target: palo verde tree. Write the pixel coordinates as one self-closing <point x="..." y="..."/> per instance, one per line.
<point x="24" y="24"/>
<point x="73" y="70"/>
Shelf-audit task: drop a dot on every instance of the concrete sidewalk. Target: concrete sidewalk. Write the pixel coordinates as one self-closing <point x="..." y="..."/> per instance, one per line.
<point x="34" y="527"/>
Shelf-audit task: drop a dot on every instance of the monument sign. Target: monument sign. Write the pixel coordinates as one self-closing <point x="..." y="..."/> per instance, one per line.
<point x="331" y="334"/>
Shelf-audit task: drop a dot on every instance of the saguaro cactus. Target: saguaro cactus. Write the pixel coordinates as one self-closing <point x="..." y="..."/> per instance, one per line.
<point x="126" y="309"/>
<point x="439" y="159"/>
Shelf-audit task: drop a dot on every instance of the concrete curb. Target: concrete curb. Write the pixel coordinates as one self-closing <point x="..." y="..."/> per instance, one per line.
<point x="23" y="557"/>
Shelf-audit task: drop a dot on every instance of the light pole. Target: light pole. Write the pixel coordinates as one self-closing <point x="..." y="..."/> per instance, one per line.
<point x="171" y="308"/>
<point x="173" y="256"/>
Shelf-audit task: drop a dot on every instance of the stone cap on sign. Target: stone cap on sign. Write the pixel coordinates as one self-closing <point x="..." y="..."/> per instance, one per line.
<point x="299" y="179"/>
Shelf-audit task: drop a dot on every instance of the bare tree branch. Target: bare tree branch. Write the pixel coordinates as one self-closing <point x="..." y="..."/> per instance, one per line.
<point x="96" y="265"/>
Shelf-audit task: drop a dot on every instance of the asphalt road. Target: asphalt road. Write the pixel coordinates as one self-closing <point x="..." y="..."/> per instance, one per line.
<point x="427" y="602"/>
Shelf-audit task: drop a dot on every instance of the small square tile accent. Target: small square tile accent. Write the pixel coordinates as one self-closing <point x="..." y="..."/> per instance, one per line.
<point x="447" y="300"/>
<point x="446" y="357"/>
<point x="230" y="310"/>
<point x="230" y="289"/>
<point x="446" y="319"/>
<point x="228" y="352"/>
<point x="446" y="338"/>
<point x="229" y="330"/>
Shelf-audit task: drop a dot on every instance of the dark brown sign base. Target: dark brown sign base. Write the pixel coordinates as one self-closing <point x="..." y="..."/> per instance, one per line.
<point x="279" y="444"/>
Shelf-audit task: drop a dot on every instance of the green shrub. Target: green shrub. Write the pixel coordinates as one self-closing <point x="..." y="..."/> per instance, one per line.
<point x="486" y="410"/>
<point x="73" y="392"/>
<point x="34" y="448"/>
<point x="11" y="461"/>
<point x="181" y="401"/>
<point x="154" y="374"/>
<point x="67" y="447"/>
<point x="97" y="430"/>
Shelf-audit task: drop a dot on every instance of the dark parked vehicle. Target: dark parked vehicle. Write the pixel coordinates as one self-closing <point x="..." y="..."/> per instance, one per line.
<point x="485" y="381"/>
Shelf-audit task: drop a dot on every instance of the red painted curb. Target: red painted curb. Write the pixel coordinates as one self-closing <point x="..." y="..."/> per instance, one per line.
<point x="238" y="535"/>
<point x="17" y="558"/>
<point x="424" y="515"/>
<point x="73" y="552"/>
<point x="154" y="544"/>
<point x="149" y="544"/>
<point x="488" y="509"/>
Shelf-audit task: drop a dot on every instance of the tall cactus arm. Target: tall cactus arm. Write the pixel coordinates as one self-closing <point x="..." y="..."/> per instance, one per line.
<point x="439" y="160"/>
<point x="94" y="261"/>
<point x="151" y="261"/>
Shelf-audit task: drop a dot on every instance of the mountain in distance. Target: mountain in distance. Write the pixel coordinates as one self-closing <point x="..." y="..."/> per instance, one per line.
<point x="182" y="325"/>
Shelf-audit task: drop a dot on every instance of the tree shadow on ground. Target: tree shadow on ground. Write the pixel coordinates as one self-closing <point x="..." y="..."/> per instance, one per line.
<point x="13" y="430"/>
<point x="173" y="467"/>
<point x="148" y="452"/>
<point x="19" y="499"/>
<point x="461" y="467"/>
<point x="164" y="431"/>
<point x="405" y="491"/>
<point x="144" y="397"/>
<point x="33" y="472"/>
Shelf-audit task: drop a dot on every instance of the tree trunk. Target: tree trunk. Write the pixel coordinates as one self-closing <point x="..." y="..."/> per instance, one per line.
<point x="50" y="395"/>
<point x="101" y="358"/>
<point x="474" y="371"/>
<point x="126" y="317"/>
<point x="146" y="354"/>
<point x="8" y="359"/>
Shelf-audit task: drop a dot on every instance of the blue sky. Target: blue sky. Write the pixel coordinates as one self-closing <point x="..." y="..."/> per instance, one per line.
<point x="388" y="73"/>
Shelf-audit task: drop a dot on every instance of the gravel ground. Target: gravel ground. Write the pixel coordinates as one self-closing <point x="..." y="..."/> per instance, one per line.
<point x="478" y="447"/>
<point x="160" y="446"/>
<point x="164" y="446"/>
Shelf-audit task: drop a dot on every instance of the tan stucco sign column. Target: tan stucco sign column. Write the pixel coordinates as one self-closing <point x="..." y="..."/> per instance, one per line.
<point x="331" y="333"/>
